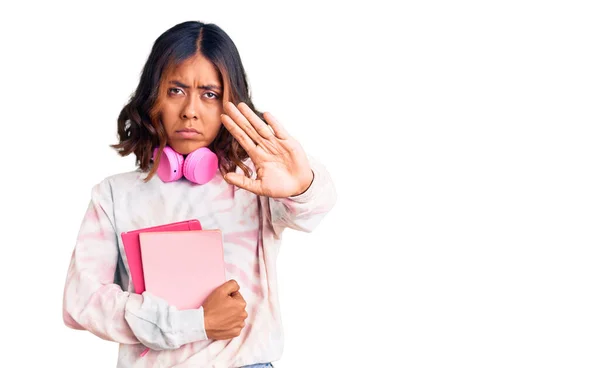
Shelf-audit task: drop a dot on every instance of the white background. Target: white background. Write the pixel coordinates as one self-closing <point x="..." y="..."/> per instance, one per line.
<point x="462" y="137"/>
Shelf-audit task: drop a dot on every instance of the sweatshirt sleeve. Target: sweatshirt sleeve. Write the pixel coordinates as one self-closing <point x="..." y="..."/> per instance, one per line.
<point x="305" y="211"/>
<point x="92" y="300"/>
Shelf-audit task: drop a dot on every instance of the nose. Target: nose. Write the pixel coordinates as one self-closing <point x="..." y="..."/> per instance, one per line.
<point x="190" y="109"/>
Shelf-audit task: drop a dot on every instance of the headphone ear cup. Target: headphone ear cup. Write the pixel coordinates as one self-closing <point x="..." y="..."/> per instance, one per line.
<point x="170" y="166"/>
<point x="200" y="166"/>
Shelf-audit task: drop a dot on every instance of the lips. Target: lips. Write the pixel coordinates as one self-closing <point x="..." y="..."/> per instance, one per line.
<point x="187" y="133"/>
<point x="188" y="130"/>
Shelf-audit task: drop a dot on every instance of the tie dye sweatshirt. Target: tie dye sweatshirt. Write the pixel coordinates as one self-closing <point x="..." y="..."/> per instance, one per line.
<point x="99" y="297"/>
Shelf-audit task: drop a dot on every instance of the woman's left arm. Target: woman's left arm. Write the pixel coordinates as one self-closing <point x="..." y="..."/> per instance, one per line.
<point x="299" y="188"/>
<point x="305" y="211"/>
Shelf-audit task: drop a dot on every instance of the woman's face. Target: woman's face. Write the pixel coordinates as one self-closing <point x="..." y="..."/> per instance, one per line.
<point x="191" y="106"/>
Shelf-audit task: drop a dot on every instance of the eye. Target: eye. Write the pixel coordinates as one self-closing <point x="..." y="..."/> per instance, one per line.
<point x="173" y="91"/>
<point x="211" y="95"/>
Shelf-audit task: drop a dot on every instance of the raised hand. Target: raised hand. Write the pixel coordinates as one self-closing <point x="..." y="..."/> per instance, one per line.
<point x="282" y="167"/>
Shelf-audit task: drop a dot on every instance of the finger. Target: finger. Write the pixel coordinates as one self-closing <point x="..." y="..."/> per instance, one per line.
<point x="245" y="141"/>
<point x="231" y="286"/>
<point x="260" y="126"/>
<point x="244" y="182"/>
<point x="240" y="120"/>
<point x="278" y="129"/>
<point x="238" y="296"/>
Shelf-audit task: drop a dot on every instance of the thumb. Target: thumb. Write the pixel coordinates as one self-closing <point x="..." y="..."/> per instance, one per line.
<point x="230" y="287"/>
<point x="243" y="182"/>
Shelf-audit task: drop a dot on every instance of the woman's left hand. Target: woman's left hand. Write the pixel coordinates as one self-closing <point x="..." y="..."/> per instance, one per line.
<point x="282" y="167"/>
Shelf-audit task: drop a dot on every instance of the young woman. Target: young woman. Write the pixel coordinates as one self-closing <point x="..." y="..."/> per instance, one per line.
<point x="203" y="152"/>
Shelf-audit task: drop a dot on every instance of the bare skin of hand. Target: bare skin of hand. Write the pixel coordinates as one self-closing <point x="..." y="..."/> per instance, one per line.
<point x="225" y="312"/>
<point x="282" y="167"/>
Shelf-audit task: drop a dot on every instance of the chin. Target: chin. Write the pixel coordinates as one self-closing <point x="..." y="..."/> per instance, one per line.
<point x="187" y="147"/>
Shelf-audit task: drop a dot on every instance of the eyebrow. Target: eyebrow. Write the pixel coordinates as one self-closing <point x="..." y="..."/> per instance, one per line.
<point x="206" y="86"/>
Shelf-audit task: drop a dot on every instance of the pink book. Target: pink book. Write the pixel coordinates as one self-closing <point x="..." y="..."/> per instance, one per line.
<point x="131" y="243"/>
<point x="183" y="267"/>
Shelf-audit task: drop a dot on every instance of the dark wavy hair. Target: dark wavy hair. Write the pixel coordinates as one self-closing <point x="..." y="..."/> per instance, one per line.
<point x="138" y="125"/>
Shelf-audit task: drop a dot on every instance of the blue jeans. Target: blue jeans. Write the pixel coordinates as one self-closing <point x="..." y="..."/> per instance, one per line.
<point x="259" y="365"/>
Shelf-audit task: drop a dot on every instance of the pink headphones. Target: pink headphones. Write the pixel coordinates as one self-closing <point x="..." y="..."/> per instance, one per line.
<point x="199" y="167"/>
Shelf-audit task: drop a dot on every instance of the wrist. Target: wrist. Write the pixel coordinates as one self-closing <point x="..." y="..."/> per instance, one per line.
<point x="306" y="185"/>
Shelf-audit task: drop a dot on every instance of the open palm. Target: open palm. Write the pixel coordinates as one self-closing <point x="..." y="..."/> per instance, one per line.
<point x="282" y="167"/>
